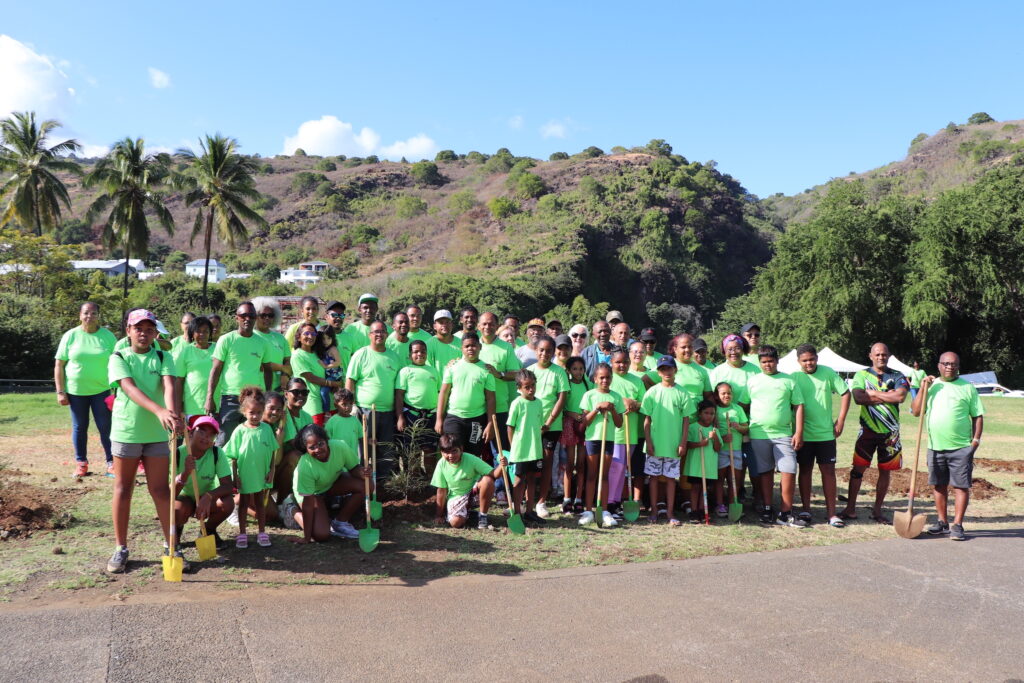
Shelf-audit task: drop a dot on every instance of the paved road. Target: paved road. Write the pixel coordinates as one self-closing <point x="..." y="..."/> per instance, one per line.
<point x="926" y="609"/>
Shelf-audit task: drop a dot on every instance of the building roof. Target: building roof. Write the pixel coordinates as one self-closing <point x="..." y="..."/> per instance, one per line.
<point x="200" y="263"/>
<point x="314" y="263"/>
<point x="107" y="264"/>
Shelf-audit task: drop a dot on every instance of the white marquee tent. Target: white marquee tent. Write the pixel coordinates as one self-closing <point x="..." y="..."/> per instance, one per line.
<point x="826" y="356"/>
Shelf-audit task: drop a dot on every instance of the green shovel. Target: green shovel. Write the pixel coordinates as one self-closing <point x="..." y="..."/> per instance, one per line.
<point x="515" y="522"/>
<point x="631" y="507"/>
<point x="376" y="507"/>
<point x="368" y="537"/>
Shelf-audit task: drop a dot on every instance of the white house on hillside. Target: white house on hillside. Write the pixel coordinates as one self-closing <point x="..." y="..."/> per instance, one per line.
<point x="318" y="267"/>
<point x="298" y="276"/>
<point x="110" y="266"/>
<point x="218" y="271"/>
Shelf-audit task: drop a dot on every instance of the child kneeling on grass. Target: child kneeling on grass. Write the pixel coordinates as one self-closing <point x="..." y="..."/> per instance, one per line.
<point x="463" y="481"/>
<point x="212" y="471"/>
<point x="702" y="443"/>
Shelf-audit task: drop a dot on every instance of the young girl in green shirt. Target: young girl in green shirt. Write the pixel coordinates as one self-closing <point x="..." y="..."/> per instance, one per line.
<point x="251" y="451"/>
<point x="573" y="436"/>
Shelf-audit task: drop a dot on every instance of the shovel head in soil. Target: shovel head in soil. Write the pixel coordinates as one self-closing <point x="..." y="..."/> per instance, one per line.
<point x="376" y="509"/>
<point x="515" y="523"/>
<point x="631" y="510"/>
<point x="735" y="511"/>
<point x="907" y="524"/>
<point x="206" y="546"/>
<point x="368" y="539"/>
<point x="173" y="567"/>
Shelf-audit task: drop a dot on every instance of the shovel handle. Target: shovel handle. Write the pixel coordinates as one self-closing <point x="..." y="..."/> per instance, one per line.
<point x="195" y="482"/>
<point x="366" y="464"/>
<point x="171" y="442"/>
<point x="504" y="473"/>
<point x="703" y="478"/>
<point x="600" y="465"/>
<point x="917" y="450"/>
<point x="629" y="454"/>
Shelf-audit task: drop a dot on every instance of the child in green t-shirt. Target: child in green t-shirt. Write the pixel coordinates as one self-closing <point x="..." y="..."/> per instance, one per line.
<point x="666" y="408"/>
<point x="202" y="460"/>
<point x="732" y="423"/>
<point x="702" y="446"/>
<point x="525" y="417"/>
<point x="273" y="416"/>
<point x="602" y="411"/>
<point x="463" y="481"/>
<point x="345" y="426"/>
<point x="574" y="436"/>
<point x="251" y="451"/>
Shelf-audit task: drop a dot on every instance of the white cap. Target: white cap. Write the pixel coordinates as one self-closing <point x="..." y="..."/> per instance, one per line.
<point x="443" y="313"/>
<point x="161" y="328"/>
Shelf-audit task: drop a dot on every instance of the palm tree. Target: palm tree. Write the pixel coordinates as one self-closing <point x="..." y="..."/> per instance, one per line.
<point x="220" y="181"/>
<point x="36" y="192"/>
<point x="129" y="178"/>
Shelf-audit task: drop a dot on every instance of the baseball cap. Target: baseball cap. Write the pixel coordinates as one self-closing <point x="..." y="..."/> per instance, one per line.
<point x="554" y="321"/>
<point x="161" y="328"/>
<point x="366" y="297"/>
<point x="562" y="340"/>
<point x="536" y="322"/>
<point x="198" y="421"/>
<point x="443" y="313"/>
<point x="748" y="327"/>
<point x="333" y="304"/>
<point x="647" y="335"/>
<point x="699" y="344"/>
<point x="613" y="316"/>
<point x="136" y="317"/>
<point x="666" y="362"/>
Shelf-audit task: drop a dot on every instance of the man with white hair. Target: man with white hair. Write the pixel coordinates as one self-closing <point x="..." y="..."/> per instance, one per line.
<point x="268" y="320"/>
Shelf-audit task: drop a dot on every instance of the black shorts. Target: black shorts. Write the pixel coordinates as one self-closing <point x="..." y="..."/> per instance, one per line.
<point x="821" y="452"/>
<point x="427" y="437"/>
<point x="637" y="460"/>
<point x="470" y="431"/>
<point x="550" y="439"/>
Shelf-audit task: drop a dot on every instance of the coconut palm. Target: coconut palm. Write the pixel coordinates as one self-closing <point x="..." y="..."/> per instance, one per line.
<point x="33" y="189"/>
<point x="220" y="182"/>
<point x="129" y="180"/>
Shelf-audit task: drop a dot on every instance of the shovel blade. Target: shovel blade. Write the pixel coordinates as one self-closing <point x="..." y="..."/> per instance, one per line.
<point x="376" y="510"/>
<point x="631" y="510"/>
<point x="173" y="567"/>
<point x="735" y="511"/>
<point x="908" y="526"/>
<point x="368" y="539"/>
<point x="515" y="524"/>
<point x="598" y="515"/>
<point x="206" y="546"/>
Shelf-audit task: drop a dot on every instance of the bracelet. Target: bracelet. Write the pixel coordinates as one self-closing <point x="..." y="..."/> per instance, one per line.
<point x="62" y="393"/>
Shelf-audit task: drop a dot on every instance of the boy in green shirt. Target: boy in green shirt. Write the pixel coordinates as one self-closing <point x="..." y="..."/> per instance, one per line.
<point x="344" y="426"/>
<point x="463" y="481"/>
<point x="666" y="408"/>
<point x="525" y="417"/>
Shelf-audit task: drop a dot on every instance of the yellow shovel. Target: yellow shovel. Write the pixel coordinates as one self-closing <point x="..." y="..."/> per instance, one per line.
<point x="206" y="545"/>
<point x="173" y="565"/>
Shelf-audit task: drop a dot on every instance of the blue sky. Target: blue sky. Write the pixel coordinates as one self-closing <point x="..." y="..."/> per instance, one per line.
<point x="782" y="95"/>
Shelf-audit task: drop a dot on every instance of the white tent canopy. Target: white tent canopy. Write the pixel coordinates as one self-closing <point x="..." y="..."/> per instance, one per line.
<point x="788" y="363"/>
<point x="826" y="356"/>
<point x="895" y="364"/>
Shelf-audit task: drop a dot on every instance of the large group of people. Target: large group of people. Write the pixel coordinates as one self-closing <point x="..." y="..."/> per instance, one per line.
<point x="276" y="425"/>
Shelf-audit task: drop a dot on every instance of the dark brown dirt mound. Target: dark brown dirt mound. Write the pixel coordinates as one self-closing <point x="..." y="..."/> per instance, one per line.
<point x="899" y="485"/>
<point x="1000" y="465"/>
<point x="25" y="508"/>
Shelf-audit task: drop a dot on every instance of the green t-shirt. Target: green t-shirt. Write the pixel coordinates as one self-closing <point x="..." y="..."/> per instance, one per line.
<point x="951" y="407"/>
<point x="421" y="385"/>
<point x="883" y="418"/>
<point x="279" y="350"/>
<point x="125" y="342"/>
<point x="738" y="378"/>
<point x="772" y="398"/>
<point x="440" y="353"/>
<point x="209" y="471"/>
<point x="194" y="366"/>
<point x="915" y="378"/>
<point x="709" y="366"/>
<point x="243" y="358"/>
<point x="130" y="422"/>
<point x="526" y="418"/>
<point x="694" y="380"/>
<point x="693" y="456"/>
<point x="399" y="348"/>
<point x="86" y="356"/>
<point x="629" y="386"/>
<point x="314" y="478"/>
<point x="459" y="479"/>
<point x="357" y="335"/>
<point x="589" y="401"/>
<point x="502" y="357"/>
<point x="551" y="381"/>
<point x="252" y="449"/>
<point x="306" y="361"/>
<point x="420" y="334"/>
<point x="651" y="361"/>
<point x="292" y="427"/>
<point x="469" y="381"/>
<point x="178" y="342"/>
<point x="667" y="407"/>
<point x="346" y="428"/>
<point x="374" y="373"/>
<point x="754" y="360"/>
<point x="723" y="416"/>
<point x="817" y="390"/>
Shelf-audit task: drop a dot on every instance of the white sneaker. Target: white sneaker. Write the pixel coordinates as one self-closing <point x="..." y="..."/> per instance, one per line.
<point x="542" y="511"/>
<point x="233" y="517"/>
<point x="343" y="529"/>
<point x="608" y="520"/>
<point x="586" y="518"/>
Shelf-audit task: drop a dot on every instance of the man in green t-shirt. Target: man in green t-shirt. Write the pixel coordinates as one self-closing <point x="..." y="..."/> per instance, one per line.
<point x="817" y="384"/>
<point x="463" y="481"/>
<point x="443" y="348"/>
<point x="357" y="334"/>
<point x="468" y="318"/>
<point x="955" y="419"/>
<point x="466" y="402"/>
<point x="371" y="376"/>
<point x="415" y="314"/>
<point x="398" y="341"/>
<point x="500" y="359"/>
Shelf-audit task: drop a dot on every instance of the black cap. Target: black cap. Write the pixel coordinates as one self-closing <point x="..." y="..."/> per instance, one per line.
<point x="700" y="344"/>
<point x="647" y="335"/>
<point x="562" y="340"/>
<point x="748" y="327"/>
<point x="333" y="304"/>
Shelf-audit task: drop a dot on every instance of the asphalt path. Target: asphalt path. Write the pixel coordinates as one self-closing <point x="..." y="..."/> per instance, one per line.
<point x="885" y="610"/>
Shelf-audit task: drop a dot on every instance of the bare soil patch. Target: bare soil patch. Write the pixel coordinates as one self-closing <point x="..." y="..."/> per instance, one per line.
<point x="25" y="508"/>
<point x="1001" y="465"/>
<point x="899" y="484"/>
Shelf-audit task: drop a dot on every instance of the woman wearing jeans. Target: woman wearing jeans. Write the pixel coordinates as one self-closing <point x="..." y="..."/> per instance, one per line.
<point x="80" y="373"/>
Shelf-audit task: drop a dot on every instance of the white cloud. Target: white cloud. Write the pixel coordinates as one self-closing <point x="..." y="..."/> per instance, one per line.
<point x="91" y="151"/>
<point x="329" y="135"/>
<point x="159" y="79"/>
<point x="516" y="122"/>
<point x="31" y="81"/>
<point x="554" y="129"/>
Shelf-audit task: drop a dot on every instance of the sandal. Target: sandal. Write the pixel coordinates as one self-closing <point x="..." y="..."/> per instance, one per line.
<point x="672" y="521"/>
<point x="836" y="522"/>
<point x="880" y="519"/>
<point x="263" y="540"/>
<point x="653" y="519"/>
<point x="847" y="517"/>
<point x="805" y="516"/>
<point x="242" y="541"/>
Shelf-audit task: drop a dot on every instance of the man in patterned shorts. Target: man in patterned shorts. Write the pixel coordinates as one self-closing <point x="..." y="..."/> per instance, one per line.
<point x="879" y="391"/>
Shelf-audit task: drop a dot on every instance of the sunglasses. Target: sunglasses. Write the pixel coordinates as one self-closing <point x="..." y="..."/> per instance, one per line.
<point x="244" y="315"/>
<point x="578" y="336"/>
<point x="336" y="315"/>
<point x="266" y="315"/>
<point x="298" y="392"/>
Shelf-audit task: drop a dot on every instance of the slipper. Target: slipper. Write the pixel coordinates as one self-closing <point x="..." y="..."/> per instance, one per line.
<point x="881" y="519"/>
<point x="263" y="540"/>
<point x="805" y="516"/>
<point x="837" y="522"/>
<point x="846" y="517"/>
<point x="242" y="541"/>
<point x="674" y="522"/>
<point x="653" y="519"/>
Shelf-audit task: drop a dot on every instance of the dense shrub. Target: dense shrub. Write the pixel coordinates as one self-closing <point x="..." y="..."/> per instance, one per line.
<point x="426" y="173"/>
<point x="461" y="202"/>
<point x="502" y="207"/>
<point x="445" y="155"/>
<point x="410" y="207"/>
<point x="326" y="165"/>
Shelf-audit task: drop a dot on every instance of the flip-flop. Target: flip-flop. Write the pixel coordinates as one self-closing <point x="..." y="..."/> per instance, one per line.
<point x="881" y="519"/>
<point x="674" y="522"/>
<point x="653" y="519"/>
<point x="847" y="518"/>
<point x="836" y="522"/>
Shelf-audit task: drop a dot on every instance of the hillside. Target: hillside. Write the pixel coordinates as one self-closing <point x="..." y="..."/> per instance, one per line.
<point x="953" y="156"/>
<point x="642" y="228"/>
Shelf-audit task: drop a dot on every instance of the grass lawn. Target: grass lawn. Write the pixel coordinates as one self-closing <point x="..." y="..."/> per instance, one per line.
<point x="35" y="451"/>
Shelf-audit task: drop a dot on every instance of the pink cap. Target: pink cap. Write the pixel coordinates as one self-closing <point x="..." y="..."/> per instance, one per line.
<point x="136" y="317"/>
<point x="198" y="421"/>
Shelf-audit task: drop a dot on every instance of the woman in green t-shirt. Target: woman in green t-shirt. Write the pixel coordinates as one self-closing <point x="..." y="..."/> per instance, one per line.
<point x="193" y="362"/>
<point x="306" y="354"/>
<point x="80" y="375"/>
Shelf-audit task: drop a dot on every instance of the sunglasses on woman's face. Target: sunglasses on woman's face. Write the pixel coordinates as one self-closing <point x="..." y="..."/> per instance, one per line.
<point x="578" y="336"/>
<point x="266" y="315"/>
<point x="299" y="392"/>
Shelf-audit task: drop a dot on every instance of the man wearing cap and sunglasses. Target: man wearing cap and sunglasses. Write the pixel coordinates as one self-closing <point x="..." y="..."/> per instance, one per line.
<point x="357" y="334"/>
<point x="535" y="330"/>
<point x="650" y="339"/>
<point x="335" y="316"/>
<point x="751" y="332"/>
